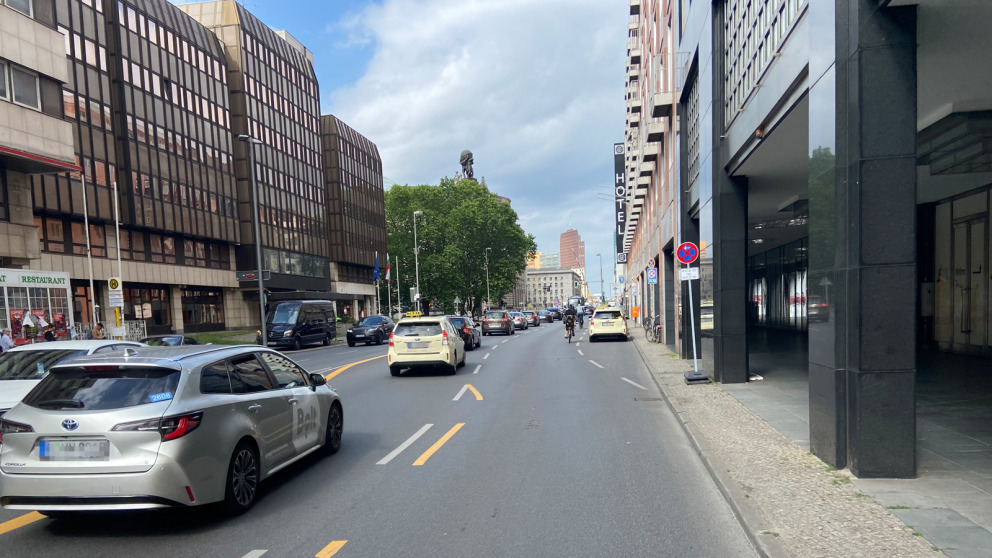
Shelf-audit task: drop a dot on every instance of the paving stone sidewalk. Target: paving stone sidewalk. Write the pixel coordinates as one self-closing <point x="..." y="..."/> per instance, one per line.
<point x="790" y="503"/>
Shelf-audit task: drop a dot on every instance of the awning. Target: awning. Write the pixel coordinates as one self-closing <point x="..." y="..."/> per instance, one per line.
<point x="22" y="161"/>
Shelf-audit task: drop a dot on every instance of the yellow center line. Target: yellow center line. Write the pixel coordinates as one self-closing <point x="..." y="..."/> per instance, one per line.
<point x="347" y="366"/>
<point x="333" y="548"/>
<point x="478" y="396"/>
<point x="437" y="445"/>
<point x="19" y="522"/>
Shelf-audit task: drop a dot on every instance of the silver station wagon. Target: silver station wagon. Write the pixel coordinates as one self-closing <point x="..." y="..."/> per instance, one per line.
<point x="163" y="427"/>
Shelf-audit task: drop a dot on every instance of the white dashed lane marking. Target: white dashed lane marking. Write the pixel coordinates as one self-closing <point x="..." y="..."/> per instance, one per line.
<point x="404" y="445"/>
<point x="478" y="366"/>
<point x="597" y="364"/>
<point x="634" y="383"/>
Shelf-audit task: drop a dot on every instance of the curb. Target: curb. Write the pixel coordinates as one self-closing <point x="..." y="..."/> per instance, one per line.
<point x="747" y="514"/>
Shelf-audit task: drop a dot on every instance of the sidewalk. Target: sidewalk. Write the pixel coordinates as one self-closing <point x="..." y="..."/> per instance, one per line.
<point x="789" y="502"/>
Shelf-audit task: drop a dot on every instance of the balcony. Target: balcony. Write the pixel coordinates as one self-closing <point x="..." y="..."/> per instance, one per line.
<point x="633" y="100"/>
<point x="635" y="7"/>
<point x="633" y="71"/>
<point x="661" y="104"/>
<point x="633" y="119"/>
<point x="651" y="151"/>
<point x="646" y="168"/>
<point x="656" y="131"/>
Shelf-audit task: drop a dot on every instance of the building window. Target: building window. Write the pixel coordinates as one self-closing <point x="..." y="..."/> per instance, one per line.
<point x="23" y="6"/>
<point x="51" y="232"/>
<point x="4" y="89"/>
<point x="4" y="213"/>
<point x="24" y="86"/>
<point x="98" y="240"/>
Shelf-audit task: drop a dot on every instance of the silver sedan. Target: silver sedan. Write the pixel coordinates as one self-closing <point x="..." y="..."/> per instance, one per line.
<point x="163" y="427"/>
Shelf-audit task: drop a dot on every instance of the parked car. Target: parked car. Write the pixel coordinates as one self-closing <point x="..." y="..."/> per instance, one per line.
<point x="607" y="322"/>
<point x="519" y="321"/>
<point x="532" y="318"/>
<point x="22" y="367"/>
<point x="469" y="331"/>
<point x="166" y="427"/>
<point x="423" y="341"/>
<point x="545" y="316"/>
<point x="817" y="309"/>
<point x="169" y="340"/>
<point x="497" y="321"/>
<point x="556" y="313"/>
<point x="294" y="323"/>
<point x="372" y="329"/>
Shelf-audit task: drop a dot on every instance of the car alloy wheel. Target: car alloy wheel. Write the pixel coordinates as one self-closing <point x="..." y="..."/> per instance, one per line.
<point x="297" y="343"/>
<point x="335" y="427"/>
<point x="242" y="479"/>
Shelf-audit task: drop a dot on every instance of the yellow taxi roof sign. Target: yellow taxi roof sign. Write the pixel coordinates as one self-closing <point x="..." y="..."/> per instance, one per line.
<point x="413" y="314"/>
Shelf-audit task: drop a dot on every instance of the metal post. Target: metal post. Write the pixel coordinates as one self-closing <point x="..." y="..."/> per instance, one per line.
<point x="89" y="255"/>
<point x="489" y="300"/>
<point x="120" y="272"/>
<point x="258" y="234"/>
<point x="416" y="254"/>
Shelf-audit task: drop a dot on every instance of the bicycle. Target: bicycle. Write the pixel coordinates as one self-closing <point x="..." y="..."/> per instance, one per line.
<point x="569" y="332"/>
<point x="653" y="333"/>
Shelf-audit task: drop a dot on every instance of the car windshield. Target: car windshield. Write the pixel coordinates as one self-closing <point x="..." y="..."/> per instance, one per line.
<point x="162" y="341"/>
<point x="33" y="365"/>
<point x="371" y="321"/>
<point x="284" y="313"/>
<point x="607" y="314"/>
<point x="417" y="328"/>
<point x="104" y="387"/>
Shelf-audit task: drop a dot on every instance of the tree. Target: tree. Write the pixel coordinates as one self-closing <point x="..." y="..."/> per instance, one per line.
<point x="460" y="220"/>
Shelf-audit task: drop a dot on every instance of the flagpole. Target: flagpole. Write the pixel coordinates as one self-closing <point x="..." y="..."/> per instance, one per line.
<point x="389" y="294"/>
<point x="378" y="306"/>
<point x="399" y="296"/>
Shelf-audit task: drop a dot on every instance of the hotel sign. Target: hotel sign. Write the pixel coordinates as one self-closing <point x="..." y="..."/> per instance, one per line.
<point x="620" y="199"/>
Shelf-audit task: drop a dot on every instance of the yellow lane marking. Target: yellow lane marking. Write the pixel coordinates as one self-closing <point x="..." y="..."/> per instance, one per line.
<point x="437" y="445"/>
<point x="333" y="548"/>
<point x="347" y="366"/>
<point x="19" y="522"/>
<point x="478" y="396"/>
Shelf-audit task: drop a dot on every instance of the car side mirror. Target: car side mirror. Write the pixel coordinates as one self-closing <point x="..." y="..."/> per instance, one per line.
<point x="318" y="380"/>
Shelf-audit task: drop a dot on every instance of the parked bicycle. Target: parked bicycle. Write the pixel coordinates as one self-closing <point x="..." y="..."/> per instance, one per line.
<point x="652" y="329"/>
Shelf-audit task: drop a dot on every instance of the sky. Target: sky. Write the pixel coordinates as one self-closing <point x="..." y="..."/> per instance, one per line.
<point x="534" y="88"/>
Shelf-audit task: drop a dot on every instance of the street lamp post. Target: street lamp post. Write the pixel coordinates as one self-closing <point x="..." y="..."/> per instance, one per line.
<point x="252" y="142"/>
<point x="602" y="293"/>
<point x="416" y="254"/>
<point x="489" y="300"/>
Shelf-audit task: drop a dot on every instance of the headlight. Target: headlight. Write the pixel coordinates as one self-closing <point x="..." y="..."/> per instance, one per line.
<point x="287" y="332"/>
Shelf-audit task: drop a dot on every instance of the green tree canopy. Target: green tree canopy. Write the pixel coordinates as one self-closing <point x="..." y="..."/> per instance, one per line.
<point x="460" y="220"/>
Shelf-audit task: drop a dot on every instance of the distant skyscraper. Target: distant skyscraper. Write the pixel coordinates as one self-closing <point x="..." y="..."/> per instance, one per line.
<point x="573" y="250"/>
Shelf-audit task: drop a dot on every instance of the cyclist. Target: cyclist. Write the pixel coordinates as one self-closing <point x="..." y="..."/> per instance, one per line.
<point x="569" y="321"/>
<point x="581" y="316"/>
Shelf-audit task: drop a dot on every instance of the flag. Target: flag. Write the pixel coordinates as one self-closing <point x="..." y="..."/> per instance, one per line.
<point x="375" y="274"/>
<point x="387" y="267"/>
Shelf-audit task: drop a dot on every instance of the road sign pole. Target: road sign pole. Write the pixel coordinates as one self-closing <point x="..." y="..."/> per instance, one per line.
<point x="692" y="325"/>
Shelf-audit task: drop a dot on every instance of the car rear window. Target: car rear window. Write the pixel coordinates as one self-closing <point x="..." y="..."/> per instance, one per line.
<point x="417" y="328"/>
<point x="607" y="314"/>
<point x="33" y="365"/>
<point x="99" y="388"/>
<point x="494" y="315"/>
<point x="457" y="322"/>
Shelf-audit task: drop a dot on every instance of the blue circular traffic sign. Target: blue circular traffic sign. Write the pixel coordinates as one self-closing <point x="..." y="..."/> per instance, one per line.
<point x="688" y="252"/>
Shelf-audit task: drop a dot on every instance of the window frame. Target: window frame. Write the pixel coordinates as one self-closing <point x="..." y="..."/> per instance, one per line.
<point x="18" y="10"/>
<point x="6" y="92"/>
<point x="13" y="89"/>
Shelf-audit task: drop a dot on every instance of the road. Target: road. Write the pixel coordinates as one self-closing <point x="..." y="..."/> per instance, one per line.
<point x="537" y="447"/>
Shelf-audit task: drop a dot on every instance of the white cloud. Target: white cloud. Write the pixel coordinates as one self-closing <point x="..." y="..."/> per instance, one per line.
<point x="533" y="87"/>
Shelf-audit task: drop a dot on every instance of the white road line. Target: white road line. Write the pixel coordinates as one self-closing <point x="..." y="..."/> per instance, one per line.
<point x="633" y="383"/>
<point x="479" y="366"/>
<point x="581" y="353"/>
<point x="255" y="553"/>
<point x="505" y="340"/>
<point x="597" y="364"/>
<point x="486" y="356"/>
<point x="404" y="445"/>
<point x="576" y="344"/>
<point x="460" y="393"/>
<point x="494" y="347"/>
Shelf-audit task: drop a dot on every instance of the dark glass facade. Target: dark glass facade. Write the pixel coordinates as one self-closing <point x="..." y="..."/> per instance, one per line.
<point x="357" y="206"/>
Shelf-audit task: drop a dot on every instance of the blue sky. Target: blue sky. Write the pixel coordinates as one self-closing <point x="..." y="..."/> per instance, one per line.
<point x="534" y="88"/>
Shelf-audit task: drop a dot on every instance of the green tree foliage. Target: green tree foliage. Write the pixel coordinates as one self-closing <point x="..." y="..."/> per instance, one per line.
<point x="461" y="219"/>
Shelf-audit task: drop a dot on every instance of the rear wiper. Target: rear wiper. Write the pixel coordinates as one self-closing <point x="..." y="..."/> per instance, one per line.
<point x="61" y="404"/>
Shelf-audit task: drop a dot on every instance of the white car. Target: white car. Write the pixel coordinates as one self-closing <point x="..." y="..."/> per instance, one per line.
<point x="607" y="322"/>
<point x="422" y="341"/>
<point x="21" y="368"/>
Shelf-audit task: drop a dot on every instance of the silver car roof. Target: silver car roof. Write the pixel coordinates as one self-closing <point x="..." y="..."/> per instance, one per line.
<point x="168" y="357"/>
<point x="79" y="345"/>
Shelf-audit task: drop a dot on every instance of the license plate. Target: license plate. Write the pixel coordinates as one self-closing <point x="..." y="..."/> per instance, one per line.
<point x="607" y="323"/>
<point x="417" y="345"/>
<point x="359" y="335"/>
<point x="74" y="450"/>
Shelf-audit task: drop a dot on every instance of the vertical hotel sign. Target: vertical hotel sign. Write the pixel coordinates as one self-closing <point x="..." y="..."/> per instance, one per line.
<point x="620" y="199"/>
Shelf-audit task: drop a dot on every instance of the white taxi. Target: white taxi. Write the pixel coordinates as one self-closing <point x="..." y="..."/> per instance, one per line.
<point x="607" y="322"/>
<point x="421" y="341"/>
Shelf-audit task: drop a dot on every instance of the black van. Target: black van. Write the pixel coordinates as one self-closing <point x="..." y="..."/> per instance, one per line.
<point x="294" y="323"/>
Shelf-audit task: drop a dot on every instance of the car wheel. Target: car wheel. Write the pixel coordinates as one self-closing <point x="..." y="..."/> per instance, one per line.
<point x="335" y="426"/>
<point x="367" y="343"/>
<point x="453" y="369"/>
<point x="351" y="343"/>
<point x="297" y="343"/>
<point x="378" y="339"/>
<point x="242" y="479"/>
<point x="327" y="340"/>
<point x="395" y="370"/>
<point x="462" y="363"/>
<point x="478" y="343"/>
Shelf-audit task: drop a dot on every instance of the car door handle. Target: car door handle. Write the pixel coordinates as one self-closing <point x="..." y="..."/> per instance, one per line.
<point x="294" y="401"/>
<point x="254" y="408"/>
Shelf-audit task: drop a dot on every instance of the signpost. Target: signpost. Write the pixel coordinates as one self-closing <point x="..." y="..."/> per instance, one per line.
<point x="687" y="253"/>
<point x="116" y="294"/>
<point x="653" y="276"/>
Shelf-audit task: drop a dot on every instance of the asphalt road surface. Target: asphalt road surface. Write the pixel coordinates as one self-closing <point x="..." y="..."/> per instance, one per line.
<point x="537" y="447"/>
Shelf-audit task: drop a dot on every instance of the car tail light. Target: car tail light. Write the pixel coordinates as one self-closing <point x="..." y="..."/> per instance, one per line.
<point x="391" y="339"/>
<point x="591" y="321"/>
<point x="444" y="337"/>
<point x="8" y="427"/>
<point x="467" y="331"/>
<point x="169" y="427"/>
